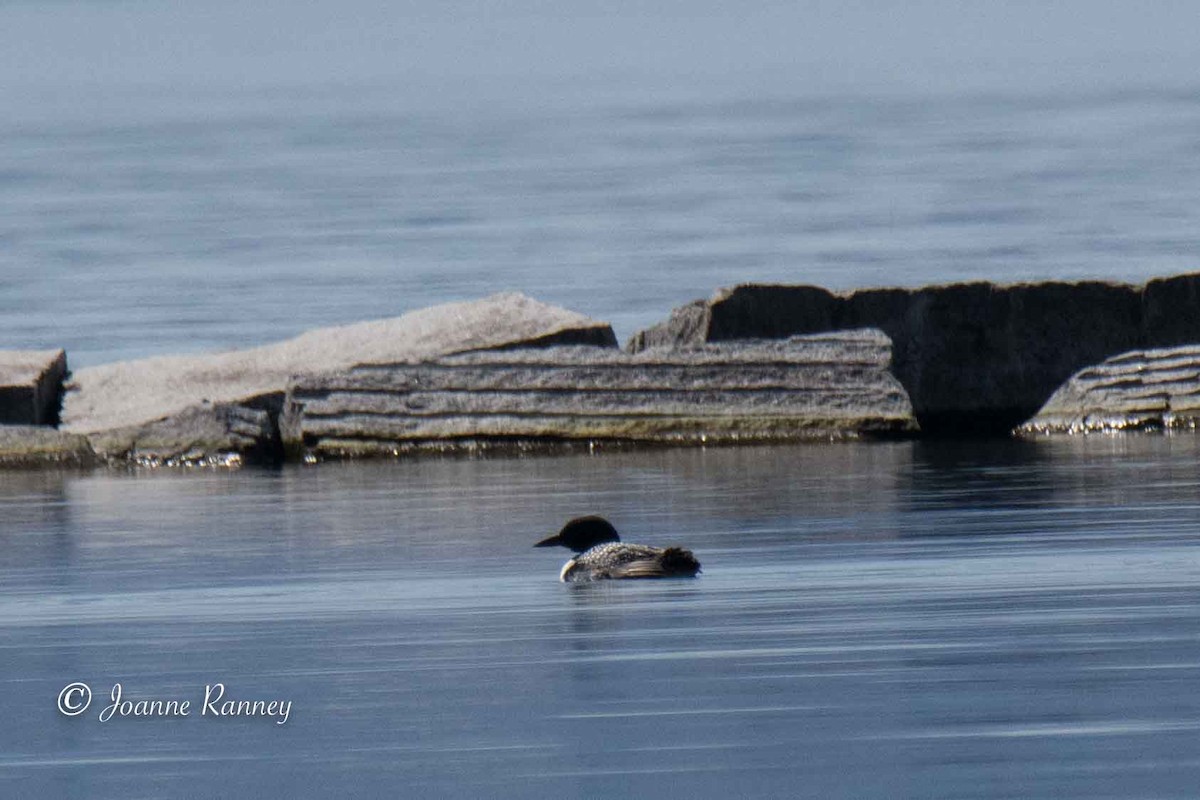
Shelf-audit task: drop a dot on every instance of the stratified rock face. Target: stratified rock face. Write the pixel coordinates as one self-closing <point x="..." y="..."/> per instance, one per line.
<point x="219" y="434"/>
<point x="800" y="388"/>
<point x="123" y="395"/>
<point x="1140" y="390"/>
<point x="30" y="386"/>
<point x="974" y="357"/>
<point x="42" y="446"/>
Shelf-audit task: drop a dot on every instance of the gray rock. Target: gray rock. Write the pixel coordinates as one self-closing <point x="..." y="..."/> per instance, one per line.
<point x="219" y="434"/>
<point x="831" y="385"/>
<point x="41" y="446"/>
<point x="128" y="394"/>
<point x="1171" y="311"/>
<point x="686" y="327"/>
<point x="31" y="386"/>
<point x="973" y="357"/>
<point x="1140" y="390"/>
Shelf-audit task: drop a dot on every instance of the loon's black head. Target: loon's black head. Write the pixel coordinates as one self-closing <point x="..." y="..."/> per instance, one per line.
<point x="583" y="533"/>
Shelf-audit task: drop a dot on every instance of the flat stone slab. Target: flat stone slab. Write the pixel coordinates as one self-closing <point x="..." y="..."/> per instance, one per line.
<point x="30" y="386"/>
<point x="37" y="445"/>
<point x="1141" y="390"/>
<point x="831" y="385"/>
<point x="134" y="393"/>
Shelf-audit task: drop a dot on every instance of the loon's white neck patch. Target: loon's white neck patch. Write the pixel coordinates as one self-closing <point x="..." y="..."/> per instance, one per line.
<point x="566" y="570"/>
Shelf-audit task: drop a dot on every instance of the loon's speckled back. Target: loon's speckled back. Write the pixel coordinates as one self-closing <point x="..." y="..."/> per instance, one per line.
<point x="603" y="556"/>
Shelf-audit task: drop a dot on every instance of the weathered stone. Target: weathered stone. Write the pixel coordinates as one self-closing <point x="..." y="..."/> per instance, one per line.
<point x="1140" y="390"/>
<point x="979" y="355"/>
<point x="137" y="392"/>
<point x="37" y="445"/>
<point x="1171" y="311"/>
<point x="831" y="385"/>
<point x="687" y="325"/>
<point x="218" y="434"/>
<point x="31" y="386"/>
<point x="975" y="357"/>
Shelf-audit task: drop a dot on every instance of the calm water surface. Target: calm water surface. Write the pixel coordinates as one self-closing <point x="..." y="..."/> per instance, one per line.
<point x="135" y="222"/>
<point x="887" y="620"/>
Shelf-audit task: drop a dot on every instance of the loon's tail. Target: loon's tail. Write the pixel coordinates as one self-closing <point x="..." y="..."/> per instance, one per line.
<point x="677" y="561"/>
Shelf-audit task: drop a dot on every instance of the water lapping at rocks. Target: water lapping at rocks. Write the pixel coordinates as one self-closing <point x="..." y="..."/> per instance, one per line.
<point x="1140" y="390"/>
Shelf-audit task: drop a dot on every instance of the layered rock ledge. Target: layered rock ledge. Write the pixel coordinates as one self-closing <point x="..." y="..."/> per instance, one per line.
<point x="830" y="385"/>
<point x="974" y="357"/>
<point x="1144" y="390"/>
<point x="132" y="393"/>
<point x="753" y="363"/>
<point x="221" y="409"/>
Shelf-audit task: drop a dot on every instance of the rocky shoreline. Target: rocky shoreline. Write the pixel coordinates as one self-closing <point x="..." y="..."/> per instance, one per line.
<point x="753" y="363"/>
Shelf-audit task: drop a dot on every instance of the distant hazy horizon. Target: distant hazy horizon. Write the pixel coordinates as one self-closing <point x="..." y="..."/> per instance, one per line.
<point x="478" y="47"/>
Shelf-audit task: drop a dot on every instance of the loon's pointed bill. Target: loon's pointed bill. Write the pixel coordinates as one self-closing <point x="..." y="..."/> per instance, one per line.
<point x="601" y="555"/>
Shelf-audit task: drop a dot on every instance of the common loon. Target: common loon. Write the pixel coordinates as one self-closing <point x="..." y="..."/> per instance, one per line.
<point x="602" y="555"/>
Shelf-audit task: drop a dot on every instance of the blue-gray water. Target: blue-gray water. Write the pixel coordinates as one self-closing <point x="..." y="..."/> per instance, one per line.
<point x="179" y="179"/>
<point x="943" y="620"/>
<point x="160" y="221"/>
